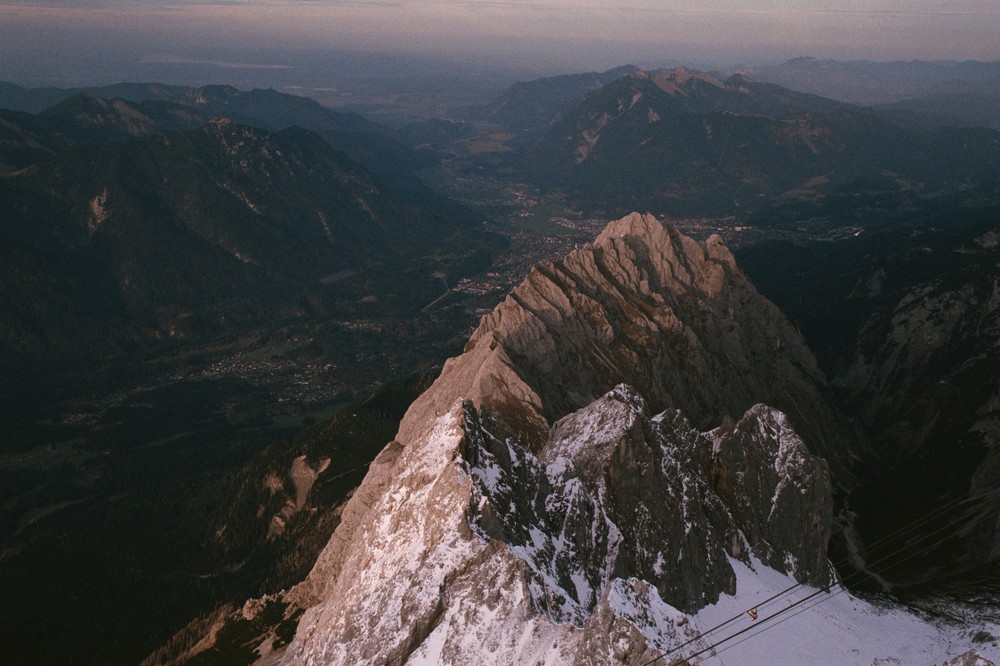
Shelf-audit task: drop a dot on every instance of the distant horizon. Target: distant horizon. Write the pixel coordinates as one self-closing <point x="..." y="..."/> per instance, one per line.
<point x="304" y="68"/>
<point x="63" y="42"/>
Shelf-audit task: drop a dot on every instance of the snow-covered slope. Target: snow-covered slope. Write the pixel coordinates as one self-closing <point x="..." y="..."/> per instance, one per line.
<point x="829" y="628"/>
<point x="478" y="548"/>
<point x="502" y="560"/>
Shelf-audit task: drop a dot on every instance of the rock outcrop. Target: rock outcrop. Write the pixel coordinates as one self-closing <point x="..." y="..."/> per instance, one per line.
<point x="558" y="491"/>
<point x="615" y="493"/>
<point x="970" y="658"/>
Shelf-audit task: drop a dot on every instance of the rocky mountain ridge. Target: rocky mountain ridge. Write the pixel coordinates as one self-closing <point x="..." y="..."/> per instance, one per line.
<point x="688" y="144"/>
<point x="612" y="485"/>
<point x="530" y="106"/>
<point x="181" y="236"/>
<point x="478" y="485"/>
<point x="87" y="116"/>
<point x="676" y="318"/>
<point x="178" y="293"/>
<point x="34" y="100"/>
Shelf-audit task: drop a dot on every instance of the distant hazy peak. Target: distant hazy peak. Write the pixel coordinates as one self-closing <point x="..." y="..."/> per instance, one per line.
<point x="208" y="95"/>
<point x="676" y="79"/>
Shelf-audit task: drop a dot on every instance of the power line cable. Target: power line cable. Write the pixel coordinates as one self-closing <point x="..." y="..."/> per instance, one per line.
<point x="830" y="595"/>
<point x="874" y="547"/>
<point x="839" y="590"/>
<point x="723" y="624"/>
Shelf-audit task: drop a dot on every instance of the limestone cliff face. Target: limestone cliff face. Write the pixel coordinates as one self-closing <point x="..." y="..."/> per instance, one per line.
<point x="559" y="493"/>
<point x="674" y="318"/>
<point x="618" y="493"/>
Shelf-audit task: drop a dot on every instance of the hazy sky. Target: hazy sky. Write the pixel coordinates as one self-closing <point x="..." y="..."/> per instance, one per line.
<point x="547" y="33"/>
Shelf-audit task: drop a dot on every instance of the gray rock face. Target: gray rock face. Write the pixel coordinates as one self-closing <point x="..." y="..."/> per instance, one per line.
<point x="531" y="508"/>
<point x="614" y="493"/>
<point x="603" y="500"/>
<point x="970" y="658"/>
<point x="777" y="492"/>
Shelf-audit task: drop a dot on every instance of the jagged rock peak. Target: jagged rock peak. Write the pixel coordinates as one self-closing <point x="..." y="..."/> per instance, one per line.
<point x="615" y="492"/>
<point x="674" y="317"/>
<point x="503" y="526"/>
<point x="671" y="254"/>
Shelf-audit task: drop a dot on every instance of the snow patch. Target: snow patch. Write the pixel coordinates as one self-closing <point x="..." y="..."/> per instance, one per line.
<point x="661" y="625"/>
<point x="832" y="627"/>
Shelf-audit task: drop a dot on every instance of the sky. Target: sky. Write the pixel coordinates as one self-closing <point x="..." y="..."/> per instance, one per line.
<point x="549" y="35"/>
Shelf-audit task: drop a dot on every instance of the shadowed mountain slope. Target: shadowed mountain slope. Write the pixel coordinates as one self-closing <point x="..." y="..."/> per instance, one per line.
<point x="179" y="236"/>
<point x="686" y="143"/>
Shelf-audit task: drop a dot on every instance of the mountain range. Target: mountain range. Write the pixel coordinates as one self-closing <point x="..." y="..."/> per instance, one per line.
<point x="530" y="106"/>
<point x="212" y="226"/>
<point x="188" y="235"/>
<point x="35" y="100"/>
<point x="180" y="295"/>
<point x="687" y="144"/>
<point x="84" y="116"/>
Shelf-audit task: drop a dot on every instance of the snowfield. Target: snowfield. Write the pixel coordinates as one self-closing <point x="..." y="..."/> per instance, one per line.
<point x="830" y="628"/>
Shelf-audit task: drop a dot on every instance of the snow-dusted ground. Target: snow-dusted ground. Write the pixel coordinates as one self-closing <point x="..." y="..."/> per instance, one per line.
<point x="831" y="628"/>
<point x="416" y="585"/>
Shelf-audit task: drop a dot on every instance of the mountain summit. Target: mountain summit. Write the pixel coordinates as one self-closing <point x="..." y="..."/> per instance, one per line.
<point x="564" y="458"/>
<point x="645" y="305"/>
